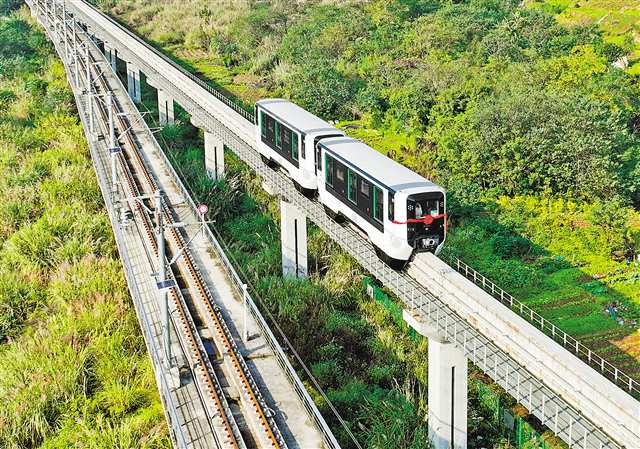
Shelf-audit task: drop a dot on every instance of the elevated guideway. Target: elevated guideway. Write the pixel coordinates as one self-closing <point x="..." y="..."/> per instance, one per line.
<point x="580" y="405"/>
<point x="225" y="382"/>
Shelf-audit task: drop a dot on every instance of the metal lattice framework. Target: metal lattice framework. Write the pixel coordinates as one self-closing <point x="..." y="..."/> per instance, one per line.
<point x="50" y="14"/>
<point x="553" y="410"/>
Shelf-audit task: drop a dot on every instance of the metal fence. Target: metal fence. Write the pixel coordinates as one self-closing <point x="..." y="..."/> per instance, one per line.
<point x="550" y="329"/>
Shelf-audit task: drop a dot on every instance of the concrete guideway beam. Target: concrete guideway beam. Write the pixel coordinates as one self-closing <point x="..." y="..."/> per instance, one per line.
<point x="133" y="82"/>
<point x="447" y="391"/>
<point x="213" y="156"/>
<point x="293" y="234"/>
<point x="165" y="108"/>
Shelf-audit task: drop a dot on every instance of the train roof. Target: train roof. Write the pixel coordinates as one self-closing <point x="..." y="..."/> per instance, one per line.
<point x="376" y="165"/>
<point x="294" y="116"/>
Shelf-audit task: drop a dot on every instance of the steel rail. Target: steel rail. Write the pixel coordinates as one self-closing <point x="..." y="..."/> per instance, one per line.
<point x="186" y="324"/>
<point x="178" y="243"/>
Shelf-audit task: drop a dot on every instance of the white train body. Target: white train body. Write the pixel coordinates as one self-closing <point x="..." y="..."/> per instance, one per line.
<point x="287" y="134"/>
<point x="400" y="211"/>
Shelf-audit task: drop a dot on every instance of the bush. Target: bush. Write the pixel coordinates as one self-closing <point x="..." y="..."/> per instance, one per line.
<point x="509" y="246"/>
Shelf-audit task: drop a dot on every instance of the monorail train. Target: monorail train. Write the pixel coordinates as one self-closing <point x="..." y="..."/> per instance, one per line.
<point x="400" y="211"/>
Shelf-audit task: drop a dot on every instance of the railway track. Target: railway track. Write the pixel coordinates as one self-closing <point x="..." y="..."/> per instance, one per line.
<point x="136" y="180"/>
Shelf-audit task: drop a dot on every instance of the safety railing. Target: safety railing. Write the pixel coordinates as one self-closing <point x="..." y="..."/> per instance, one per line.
<point x="551" y="330"/>
<point x="227" y="100"/>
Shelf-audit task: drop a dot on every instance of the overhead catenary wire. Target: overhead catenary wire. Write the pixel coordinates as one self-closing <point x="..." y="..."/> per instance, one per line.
<point x="256" y="295"/>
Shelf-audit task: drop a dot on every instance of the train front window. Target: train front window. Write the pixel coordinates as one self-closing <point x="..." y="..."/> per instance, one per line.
<point x="263" y="124"/>
<point x="419" y="206"/>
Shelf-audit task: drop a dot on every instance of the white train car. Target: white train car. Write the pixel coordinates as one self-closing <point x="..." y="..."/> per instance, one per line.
<point x="400" y="211"/>
<point x="287" y="135"/>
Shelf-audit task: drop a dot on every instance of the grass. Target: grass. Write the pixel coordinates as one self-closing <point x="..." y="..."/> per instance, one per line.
<point x="73" y="365"/>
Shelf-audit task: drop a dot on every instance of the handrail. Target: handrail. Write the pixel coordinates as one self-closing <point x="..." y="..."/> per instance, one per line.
<point x="283" y="361"/>
<point x="229" y="101"/>
<point x="551" y="330"/>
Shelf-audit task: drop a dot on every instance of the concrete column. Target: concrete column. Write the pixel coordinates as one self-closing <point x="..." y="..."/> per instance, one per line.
<point x="447" y="395"/>
<point x="165" y="108"/>
<point x="293" y="233"/>
<point x="213" y="156"/>
<point x="133" y="82"/>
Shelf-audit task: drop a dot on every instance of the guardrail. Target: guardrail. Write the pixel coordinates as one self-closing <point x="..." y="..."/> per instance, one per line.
<point x="231" y="102"/>
<point x="551" y="330"/>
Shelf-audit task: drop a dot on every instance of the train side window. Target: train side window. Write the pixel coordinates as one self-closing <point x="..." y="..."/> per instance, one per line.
<point x="391" y="207"/>
<point x="277" y="136"/>
<point x="340" y="173"/>
<point x="263" y="124"/>
<point x="351" y="185"/>
<point x="364" y="188"/>
<point x="294" y="146"/>
<point x="378" y="199"/>
<point x="328" y="170"/>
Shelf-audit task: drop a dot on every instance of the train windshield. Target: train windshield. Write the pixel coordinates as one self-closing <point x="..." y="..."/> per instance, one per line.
<point x="421" y="205"/>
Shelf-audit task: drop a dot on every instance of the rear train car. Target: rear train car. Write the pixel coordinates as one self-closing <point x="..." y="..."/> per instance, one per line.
<point x="400" y="211"/>
<point x="287" y="135"/>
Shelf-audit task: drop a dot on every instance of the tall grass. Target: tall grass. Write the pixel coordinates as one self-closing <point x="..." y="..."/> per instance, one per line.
<point x="73" y="365"/>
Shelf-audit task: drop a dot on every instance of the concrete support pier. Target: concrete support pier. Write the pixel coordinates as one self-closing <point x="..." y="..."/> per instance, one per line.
<point x="213" y="156"/>
<point x="133" y="82"/>
<point x="447" y="394"/>
<point x="165" y="108"/>
<point x="293" y="234"/>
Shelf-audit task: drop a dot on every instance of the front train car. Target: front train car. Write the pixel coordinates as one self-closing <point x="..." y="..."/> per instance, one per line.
<point x="401" y="212"/>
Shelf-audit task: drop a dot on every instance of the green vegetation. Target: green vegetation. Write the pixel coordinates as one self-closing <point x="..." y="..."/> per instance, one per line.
<point x="518" y="112"/>
<point x="73" y="365"/>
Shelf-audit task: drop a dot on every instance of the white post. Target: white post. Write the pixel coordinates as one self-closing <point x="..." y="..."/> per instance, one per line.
<point x="213" y="156"/>
<point x="245" y="329"/>
<point x="64" y="30"/>
<point x="447" y="393"/>
<point x="165" y="108"/>
<point x="293" y="234"/>
<point x="113" y="145"/>
<point x="447" y="396"/>
<point x="75" y="53"/>
<point x="133" y="82"/>
<point x="162" y="276"/>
